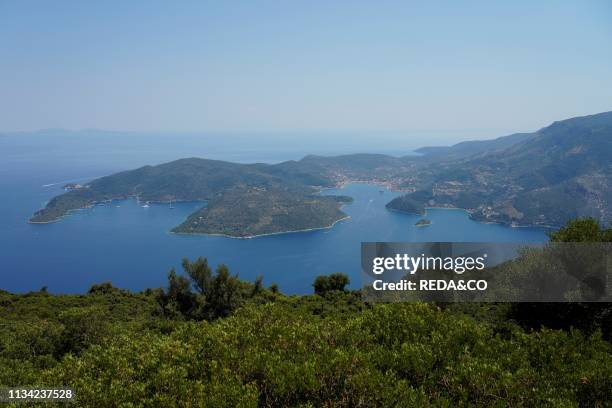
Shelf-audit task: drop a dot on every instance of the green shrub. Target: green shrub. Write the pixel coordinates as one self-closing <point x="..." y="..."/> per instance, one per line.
<point x="388" y="355"/>
<point x="334" y="282"/>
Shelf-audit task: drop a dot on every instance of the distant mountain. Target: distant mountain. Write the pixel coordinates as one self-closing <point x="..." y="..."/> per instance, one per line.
<point x="562" y="171"/>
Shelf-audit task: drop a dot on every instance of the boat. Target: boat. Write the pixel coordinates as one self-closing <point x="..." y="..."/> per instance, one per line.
<point x="423" y="222"/>
<point x="146" y="205"/>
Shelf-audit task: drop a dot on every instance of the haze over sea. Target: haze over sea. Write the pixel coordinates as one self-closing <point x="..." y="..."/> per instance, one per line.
<point x="130" y="245"/>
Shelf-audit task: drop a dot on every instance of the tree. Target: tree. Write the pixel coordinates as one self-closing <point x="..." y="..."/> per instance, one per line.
<point x="216" y="295"/>
<point x="587" y="317"/>
<point x="222" y="298"/>
<point x="582" y="230"/>
<point x="104" y="288"/>
<point x="200" y="274"/>
<point x="334" y="282"/>
<point x="257" y="286"/>
<point x="178" y="297"/>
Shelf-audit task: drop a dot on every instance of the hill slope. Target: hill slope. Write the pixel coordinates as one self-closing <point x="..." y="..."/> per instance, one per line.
<point x="473" y="147"/>
<point x="562" y="171"/>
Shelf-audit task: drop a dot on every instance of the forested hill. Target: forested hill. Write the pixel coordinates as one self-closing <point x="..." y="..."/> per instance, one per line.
<point x="561" y="172"/>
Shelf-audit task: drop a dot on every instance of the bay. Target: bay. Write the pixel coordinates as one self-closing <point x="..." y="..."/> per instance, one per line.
<point x="131" y="246"/>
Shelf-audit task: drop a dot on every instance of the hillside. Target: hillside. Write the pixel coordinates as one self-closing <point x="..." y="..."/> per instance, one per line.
<point x="473" y="147"/>
<point x="563" y="171"/>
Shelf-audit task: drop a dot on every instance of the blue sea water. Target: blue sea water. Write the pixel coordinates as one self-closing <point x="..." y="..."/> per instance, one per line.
<point x="131" y="246"/>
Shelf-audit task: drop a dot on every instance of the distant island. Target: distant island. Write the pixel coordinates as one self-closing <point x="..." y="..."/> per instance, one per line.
<point x="547" y="177"/>
<point x="423" y="222"/>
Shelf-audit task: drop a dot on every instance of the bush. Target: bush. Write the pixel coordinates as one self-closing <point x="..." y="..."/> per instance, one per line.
<point x="588" y="317"/>
<point x="333" y="282"/>
<point x="83" y="327"/>
<point x="390" y="355"/>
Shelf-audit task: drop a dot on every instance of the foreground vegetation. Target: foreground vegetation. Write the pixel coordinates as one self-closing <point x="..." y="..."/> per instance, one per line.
<point x="210" y="339"/>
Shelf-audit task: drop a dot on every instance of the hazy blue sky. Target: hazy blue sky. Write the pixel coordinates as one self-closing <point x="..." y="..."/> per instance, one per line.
<point x="302" y="65"/>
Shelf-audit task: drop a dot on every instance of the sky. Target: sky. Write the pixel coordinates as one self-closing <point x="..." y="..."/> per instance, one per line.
<point x="487" y="67"/>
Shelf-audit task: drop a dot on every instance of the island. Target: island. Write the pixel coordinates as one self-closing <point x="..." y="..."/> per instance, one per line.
<point x="238" y="200"/>
<point x="423" y="222"/>
<point x="256" y="211"/>
<point x="517" y="180"/>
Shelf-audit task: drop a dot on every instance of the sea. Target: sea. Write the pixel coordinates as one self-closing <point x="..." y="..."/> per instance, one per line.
<point x="131" y="246"/>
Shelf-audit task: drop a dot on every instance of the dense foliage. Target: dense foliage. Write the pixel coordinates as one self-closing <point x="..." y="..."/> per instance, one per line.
<point x="294" y="352"/>
<point x="588" y="317"/>
<point x="115" y="349"/>
<point x="334" y="282"/>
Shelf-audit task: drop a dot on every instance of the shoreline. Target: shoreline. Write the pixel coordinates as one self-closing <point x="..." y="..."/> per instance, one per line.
<point x="110" y="201"/>
<point x="504" y="224"/>
<point x="61" y="217"/>
<point x="261" y="235"/>
<point x="340" y="185"/>
<point x="45" y="222"/>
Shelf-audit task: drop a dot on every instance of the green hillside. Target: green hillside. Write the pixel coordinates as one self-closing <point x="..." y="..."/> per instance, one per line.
<point x="561" y="172"/>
